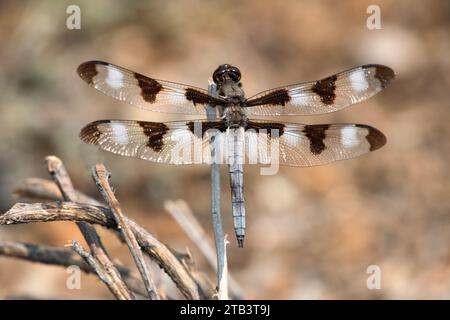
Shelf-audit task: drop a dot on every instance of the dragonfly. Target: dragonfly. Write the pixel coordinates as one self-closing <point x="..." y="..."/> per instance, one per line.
<point x="235" y="129"/>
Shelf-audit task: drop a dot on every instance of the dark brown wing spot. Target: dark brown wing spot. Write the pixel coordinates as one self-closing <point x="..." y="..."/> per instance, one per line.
<point x="325" y="88"/>
<point x="155" y="132"/>
<point x="375" y="138"/>
<point x="90" y="133"/>
<point x="87" y="71"/>
<point x="277" y="97"/>
<point x="384" y="75"/>
<point x="198" y="97"/>
<point x="149" y="87"/>
<point x="269" y="126"/>
<point x="316" y="135"/>
<point x="199" y="128"/>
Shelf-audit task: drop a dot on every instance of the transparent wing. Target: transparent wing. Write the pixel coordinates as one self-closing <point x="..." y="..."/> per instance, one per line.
<point x="177" y="142"/>
<point x="327" y="95"/>
<point x="144" y="92"/>
<point x="294" y="144"/>
<point x="264" y="142"/>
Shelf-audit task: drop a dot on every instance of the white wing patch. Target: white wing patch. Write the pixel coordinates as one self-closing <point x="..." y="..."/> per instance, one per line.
<point x="358" y="80"/>
<point x="114" y="79"/>
<point x="349" y="137"/>
<point x="119" y="133"/>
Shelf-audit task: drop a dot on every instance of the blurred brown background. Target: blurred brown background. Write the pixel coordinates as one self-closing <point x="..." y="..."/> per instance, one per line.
<point x="312" y="232"/>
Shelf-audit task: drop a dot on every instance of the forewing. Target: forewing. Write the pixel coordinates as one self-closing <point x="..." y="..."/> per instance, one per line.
<point x="145" y="92"/>
<point x="327" y="95"/>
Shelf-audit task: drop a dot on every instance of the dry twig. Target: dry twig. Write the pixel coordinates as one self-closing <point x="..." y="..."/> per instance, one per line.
<point x="44" y="189"/>
<point x="59" y="174"/>
<point x="62" y="257"/>
<point x="104" y="273"/>
<point x="35" y="188"/>
<point x="87" y="211"/>
<point x="92" y="214"/>
<point x="101" y="176"/>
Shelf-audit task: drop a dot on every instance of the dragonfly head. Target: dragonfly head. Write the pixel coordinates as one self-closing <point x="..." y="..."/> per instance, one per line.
<point x="226" y="72"/>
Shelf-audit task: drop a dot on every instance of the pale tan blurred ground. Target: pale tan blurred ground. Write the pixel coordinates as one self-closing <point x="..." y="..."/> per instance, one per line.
<point x="312" y="232"/>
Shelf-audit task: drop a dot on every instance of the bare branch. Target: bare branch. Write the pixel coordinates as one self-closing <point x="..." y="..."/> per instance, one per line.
<point x="37" y="188"/>
<point x="102" y="272"/>
<point x="62" y="257"/>
<point x="101" y="176"/>
<point x="43" y="254"/>
<point x="181" y="212"/>
<point x="58" y="211"/>
<point x="44" y="189"/>
<point x="59" y="174"/>
<point x="92" y="214"/>
<point x="95" y="212"/>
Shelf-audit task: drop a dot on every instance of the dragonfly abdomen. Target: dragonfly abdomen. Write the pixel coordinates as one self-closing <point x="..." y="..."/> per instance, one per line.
<point x="236" y="170"/>
<point x="237" y="201"/>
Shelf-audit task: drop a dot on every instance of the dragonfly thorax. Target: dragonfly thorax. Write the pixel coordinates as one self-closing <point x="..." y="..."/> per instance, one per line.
<point x="235" y="116"/>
